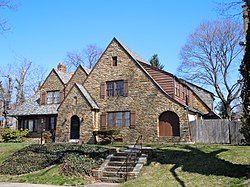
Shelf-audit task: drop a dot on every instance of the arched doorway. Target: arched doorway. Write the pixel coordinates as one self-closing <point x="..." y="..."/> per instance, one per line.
<point x="75" y="127"/>
<point x="169" y="124"/>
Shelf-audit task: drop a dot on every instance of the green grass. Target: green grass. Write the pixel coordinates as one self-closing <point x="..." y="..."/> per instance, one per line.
<point x="49" y="175"/>
<point x="195" y="165"/>
<point x="6" y="149"/>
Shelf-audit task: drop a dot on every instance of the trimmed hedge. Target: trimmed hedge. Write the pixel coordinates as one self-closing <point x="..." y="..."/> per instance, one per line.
<point x="36" y="157"/>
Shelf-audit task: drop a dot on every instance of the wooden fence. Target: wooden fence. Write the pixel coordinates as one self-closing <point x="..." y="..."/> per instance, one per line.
<point x="216" y="131"/>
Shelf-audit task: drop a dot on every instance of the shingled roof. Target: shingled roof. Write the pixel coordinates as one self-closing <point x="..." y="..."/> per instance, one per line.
<point x="64" y="76"/>
<point x="87" y="96"/>
<point x="32" y="107"/>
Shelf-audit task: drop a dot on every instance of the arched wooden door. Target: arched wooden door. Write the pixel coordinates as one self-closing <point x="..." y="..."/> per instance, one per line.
<point x="169" y="124"/>
<point x="75" y="127"/>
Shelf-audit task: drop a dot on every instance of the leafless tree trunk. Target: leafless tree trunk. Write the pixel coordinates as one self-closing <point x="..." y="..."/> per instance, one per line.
<point x="88" y="57"/>
<point x="20" y="98"/>
<point x="212" y="56"/>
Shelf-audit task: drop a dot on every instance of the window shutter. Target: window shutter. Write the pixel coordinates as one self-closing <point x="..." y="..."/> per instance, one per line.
<point x="132" y="119"/>
<point x="103" y="90"/>
<point x="43" y="98"/>
<point x="125" y="88"/>
<point x="61" y="96"/>
<point x="103" y="120"/>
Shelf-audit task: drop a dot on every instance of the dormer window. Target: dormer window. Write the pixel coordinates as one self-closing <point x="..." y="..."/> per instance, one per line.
<point x="114" y="58"/>
<point x="53" y="97"/>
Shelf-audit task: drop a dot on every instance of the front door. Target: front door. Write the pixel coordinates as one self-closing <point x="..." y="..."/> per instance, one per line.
<point x="75" y="127"/>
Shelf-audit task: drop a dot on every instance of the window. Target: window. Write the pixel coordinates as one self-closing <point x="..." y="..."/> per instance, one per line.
<point x="52" y="123"/>
<point x="114" y="58"/>
<point x="119" y="88"/>
<point x="53" y="97"/>
<point x="118" y="119"/>
<point x="110" y="88"/>
<point x="177" y="89"/>
<point x="115" y="88"/>
<point x="31" y="125"/>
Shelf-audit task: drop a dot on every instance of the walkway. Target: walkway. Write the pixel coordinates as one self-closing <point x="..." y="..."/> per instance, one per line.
<point x="7" y="184"/>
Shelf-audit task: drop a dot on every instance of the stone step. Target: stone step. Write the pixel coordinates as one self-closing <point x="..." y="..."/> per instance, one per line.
<point x="121" y="154"/>
<point x="116" y="168"/>
<point x="120" y="163"/>
<point x="112" y="179"/>
<point x="118" y="158"/>
<point x="123" y="158"/>
<point x="117" y="174"/>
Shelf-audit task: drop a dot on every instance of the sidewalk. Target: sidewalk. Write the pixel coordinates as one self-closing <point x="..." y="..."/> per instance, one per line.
<point x="7" y="184"/>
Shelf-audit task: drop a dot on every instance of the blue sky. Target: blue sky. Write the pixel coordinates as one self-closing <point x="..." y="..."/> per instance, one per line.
<point x="44" y="30"/>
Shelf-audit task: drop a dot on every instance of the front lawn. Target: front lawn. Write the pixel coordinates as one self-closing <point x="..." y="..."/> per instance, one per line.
<point x="195" y="165"/>
<point x="171" y="164"/>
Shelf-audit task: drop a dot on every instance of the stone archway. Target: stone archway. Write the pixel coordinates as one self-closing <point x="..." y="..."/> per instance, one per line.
<point x="75" y="127"/>
<point x="169" y="124"/>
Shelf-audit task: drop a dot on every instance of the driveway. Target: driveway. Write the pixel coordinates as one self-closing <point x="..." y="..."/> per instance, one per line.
<point x="7" y="184"/>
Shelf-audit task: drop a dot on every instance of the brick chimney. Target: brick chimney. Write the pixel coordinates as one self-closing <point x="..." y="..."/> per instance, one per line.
<point x="62" y="67"/>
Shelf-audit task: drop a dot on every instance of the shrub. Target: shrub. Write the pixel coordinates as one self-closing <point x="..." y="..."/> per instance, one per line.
<point x="9" y="135"/>
<point x="47" y="136"/>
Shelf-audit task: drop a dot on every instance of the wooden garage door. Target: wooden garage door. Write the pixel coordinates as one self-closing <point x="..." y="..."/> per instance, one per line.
<point x="169" y="124"/>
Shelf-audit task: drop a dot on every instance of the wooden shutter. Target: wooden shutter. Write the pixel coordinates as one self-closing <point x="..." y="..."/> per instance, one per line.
<point x="61" y="96"/>
<point x="125" y="88"/>
<point x="103" y="90"/>
<point x="43" y="98"/>
<point x="103" y="120"/>
<point x="132" y="119"/>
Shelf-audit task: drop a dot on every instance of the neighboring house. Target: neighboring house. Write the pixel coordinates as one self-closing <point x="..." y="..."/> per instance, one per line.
<point x="121" y="92"/>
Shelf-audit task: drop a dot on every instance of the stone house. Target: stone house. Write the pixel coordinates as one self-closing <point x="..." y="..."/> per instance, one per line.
<point x="123" y="92"/>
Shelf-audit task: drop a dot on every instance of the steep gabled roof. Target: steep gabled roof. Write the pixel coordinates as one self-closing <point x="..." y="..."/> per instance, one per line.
<point x="85" y="70"/>
<point x="132" y="53"/>
<point x="65" y="77"/>
<point x="32" y="107"/>
<point x="85" y="94"/>
<point x="159" y="77"/>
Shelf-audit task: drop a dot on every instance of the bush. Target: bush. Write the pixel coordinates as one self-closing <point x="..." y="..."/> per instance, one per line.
<point x="9" y="135"/>
<point x="36" y="157"/>
<point x="47" y="136"/>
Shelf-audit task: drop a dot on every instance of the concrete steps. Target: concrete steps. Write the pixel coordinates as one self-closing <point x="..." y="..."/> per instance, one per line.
<point x="114" y="170"/>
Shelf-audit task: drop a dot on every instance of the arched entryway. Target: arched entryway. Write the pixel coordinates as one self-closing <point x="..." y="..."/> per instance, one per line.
<point x="74" y="127"/>
<point x="169" y="124"/>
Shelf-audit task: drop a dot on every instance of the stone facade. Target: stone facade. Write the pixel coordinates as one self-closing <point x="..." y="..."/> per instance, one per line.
<point x="79" y="76"/>
<point x="52" y="83"/>
<point x="75" y="104"/>
<point x="144" y="96"/>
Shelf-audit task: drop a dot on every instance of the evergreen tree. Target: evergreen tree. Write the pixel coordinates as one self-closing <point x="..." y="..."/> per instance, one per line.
<point x="245" y="94"/>
<point x="154" y="61"/>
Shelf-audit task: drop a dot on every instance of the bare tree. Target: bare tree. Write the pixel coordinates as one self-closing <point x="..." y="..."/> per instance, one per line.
<point x="27" y="80"/>
<point x="6" y="4"/>
<point x="212" y="56"/>
<point x="20" y="98"/>
<point x="88" y="57"/>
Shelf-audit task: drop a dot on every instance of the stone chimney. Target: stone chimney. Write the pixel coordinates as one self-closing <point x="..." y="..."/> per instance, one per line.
<point x="62" y="67"/>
